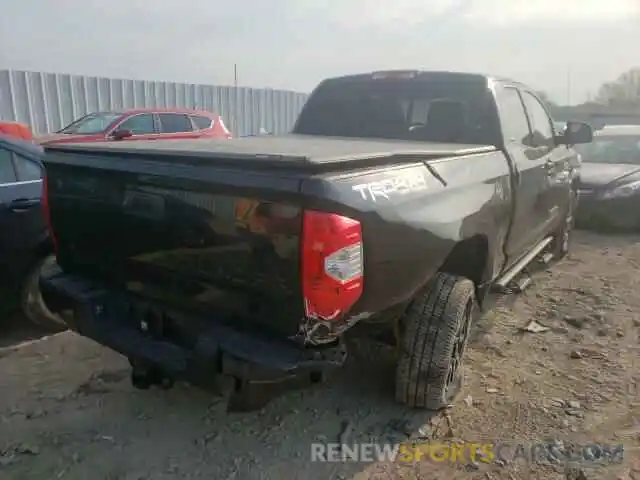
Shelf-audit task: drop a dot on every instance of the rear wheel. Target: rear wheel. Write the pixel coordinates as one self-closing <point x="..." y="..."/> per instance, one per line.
<point x="434" y="335"/>
<point x="31" y="301"/>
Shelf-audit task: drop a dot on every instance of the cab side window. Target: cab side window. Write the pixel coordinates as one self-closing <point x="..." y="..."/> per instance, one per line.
<point x="541" y="125"/>
<point x="7" y="172"/>
<point x="513" y="116"/>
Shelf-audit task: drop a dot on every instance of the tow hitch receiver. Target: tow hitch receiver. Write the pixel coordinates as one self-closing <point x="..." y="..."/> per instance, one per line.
<point x="144" y="376"/>
<point x="241" y="395"/>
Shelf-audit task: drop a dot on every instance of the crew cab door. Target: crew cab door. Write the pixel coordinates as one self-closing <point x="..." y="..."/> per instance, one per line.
<point x="530" y="183"/>
<point x="557" y="159"/>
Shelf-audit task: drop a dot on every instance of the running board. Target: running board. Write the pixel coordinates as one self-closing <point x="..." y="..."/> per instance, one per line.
<point x="522" y="283"/>
<point x="503" y="282"/>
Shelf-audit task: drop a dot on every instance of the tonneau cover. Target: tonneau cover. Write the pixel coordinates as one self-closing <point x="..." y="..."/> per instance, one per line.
<point x="287" y="149"/>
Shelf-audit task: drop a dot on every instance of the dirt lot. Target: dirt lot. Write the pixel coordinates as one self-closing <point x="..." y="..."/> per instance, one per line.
<point x="68" y="410"/>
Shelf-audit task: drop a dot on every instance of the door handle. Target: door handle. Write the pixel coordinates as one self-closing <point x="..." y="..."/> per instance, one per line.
<point x="21" y="205"/>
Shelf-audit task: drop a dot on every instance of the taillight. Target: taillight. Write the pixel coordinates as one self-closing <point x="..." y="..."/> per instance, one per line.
<point x="332" y="264"/>
<point x="46" y="212"/>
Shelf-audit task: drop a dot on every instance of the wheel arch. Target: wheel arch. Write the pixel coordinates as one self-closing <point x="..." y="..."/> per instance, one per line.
<point x="470" y="258"/>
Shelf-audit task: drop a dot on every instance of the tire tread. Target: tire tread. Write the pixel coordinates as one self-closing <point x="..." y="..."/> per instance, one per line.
<point x="431" y="323"/>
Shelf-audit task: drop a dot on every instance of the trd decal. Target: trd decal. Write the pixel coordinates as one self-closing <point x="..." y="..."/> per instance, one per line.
<point x="392" y="186"/>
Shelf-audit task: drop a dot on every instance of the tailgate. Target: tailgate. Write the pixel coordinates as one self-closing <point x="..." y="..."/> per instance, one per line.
<point x="202" y="238"/>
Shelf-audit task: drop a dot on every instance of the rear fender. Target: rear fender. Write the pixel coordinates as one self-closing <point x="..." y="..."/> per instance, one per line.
<point x="412" y="220"/>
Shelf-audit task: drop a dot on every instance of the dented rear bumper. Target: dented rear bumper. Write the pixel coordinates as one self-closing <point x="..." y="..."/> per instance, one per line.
<point x="190" y="347"/>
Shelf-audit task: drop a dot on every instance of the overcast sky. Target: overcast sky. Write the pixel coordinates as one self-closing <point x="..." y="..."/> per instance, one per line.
<point x="292" y="44"/>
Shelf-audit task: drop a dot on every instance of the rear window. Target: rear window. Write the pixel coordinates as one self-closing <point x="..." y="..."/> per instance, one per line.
<point x="201" y="123"/>
<point x="440" y="110"/>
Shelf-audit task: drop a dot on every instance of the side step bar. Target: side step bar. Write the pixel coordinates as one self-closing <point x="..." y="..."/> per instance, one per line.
<point x="503" y="283"/>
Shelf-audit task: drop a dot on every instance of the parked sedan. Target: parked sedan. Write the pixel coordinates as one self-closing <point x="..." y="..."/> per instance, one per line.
<point x="25" y="248"/>
<point x="140" y="124"/>
<point x="610" y="179"/>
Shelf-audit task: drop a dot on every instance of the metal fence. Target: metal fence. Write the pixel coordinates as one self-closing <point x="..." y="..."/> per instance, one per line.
<point x="49" y="101"/>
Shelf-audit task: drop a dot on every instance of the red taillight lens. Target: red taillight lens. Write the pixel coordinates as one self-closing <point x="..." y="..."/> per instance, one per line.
<point x="332" y="264"/>
<point x="46" y="212"/>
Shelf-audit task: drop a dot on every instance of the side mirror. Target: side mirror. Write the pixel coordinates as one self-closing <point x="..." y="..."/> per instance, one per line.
<point x="560" y="127"/>
<point x="121" y="134"/>
<point x="576" y="133"/>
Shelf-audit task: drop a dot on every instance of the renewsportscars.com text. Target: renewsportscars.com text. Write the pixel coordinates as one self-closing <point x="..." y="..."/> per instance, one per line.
<point x="548" y="453"/>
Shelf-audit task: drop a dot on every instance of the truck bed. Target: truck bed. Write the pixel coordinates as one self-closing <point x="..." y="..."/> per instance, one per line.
<point x="285" y="150"/>
<point x="206" y="227"/>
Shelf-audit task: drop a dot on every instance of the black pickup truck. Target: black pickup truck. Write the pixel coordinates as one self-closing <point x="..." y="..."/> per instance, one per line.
<point x="400" y="198"/>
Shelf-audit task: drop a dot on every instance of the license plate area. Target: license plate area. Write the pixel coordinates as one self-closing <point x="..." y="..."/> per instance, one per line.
<point x="155" y="322"/>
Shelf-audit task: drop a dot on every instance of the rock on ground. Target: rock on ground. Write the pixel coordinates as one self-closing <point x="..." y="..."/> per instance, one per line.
<point x="67" y="409"/>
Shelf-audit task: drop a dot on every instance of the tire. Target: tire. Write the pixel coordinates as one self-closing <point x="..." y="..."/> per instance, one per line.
<point x="31" y="302"/>
<point x="434" y="335"/>
<point x="140" y="381"/>
<point x="562" y="238"/>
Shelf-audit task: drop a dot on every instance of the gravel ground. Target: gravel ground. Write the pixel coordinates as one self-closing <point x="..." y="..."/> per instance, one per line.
<point x="68" y="410"/>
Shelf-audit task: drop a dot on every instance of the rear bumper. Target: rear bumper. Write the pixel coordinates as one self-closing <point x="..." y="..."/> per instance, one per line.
<point x="196" y="349"/>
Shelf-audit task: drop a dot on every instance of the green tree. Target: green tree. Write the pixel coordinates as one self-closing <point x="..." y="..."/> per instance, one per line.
<point x="622" y="92"/>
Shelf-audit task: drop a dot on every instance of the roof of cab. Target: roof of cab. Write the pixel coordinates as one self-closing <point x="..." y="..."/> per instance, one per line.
<point x="417" y="74"/>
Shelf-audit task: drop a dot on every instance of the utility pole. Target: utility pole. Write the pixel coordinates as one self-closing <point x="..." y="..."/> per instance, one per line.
<point x="569" y="86"/>
<point x="236" y="97"/>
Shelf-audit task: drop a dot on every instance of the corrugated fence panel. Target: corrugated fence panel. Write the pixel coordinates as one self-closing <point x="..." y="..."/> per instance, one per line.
<point x="49" y="101"/>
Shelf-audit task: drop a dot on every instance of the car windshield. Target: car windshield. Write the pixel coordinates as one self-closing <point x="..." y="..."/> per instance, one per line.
<point x="435" y="110"/>
<point x="611" y="149"/>
<point x="92" y="123"/>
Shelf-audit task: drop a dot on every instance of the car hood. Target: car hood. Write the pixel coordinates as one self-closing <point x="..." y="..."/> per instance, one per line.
<point x="600" y="174"/>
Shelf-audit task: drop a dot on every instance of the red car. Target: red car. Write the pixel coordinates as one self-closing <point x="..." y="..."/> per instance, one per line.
<point x="17" y="130"/>
<point x="140" y="124"/>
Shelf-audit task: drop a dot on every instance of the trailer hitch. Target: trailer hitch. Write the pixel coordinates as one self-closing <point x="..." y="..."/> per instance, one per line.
<point x="144" y="376"/>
